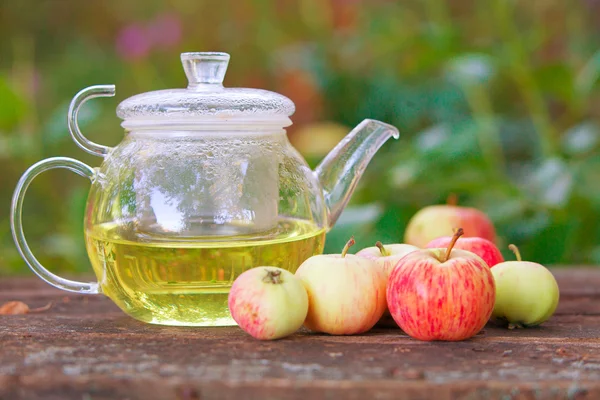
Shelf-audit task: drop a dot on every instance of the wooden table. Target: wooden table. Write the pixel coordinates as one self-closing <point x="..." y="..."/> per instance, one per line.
<point x="84" y="348"/>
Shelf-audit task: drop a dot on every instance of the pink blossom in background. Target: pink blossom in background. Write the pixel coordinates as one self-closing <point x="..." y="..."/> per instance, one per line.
<point x="133" y="42"/>
<point x="36" y="81"/>
<point x="165" y="31"/>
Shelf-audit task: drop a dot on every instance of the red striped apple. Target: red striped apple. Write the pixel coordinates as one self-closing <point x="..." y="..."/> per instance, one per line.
<point x="346" y="293"/>
<point x="480" y="246"/>
<point x="441" y="294"/>
<point x="438" y="220"/>
<point x="268" y="302"/>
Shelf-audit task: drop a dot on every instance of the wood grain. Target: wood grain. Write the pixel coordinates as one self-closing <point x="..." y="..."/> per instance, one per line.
<point x="84" y="347"/>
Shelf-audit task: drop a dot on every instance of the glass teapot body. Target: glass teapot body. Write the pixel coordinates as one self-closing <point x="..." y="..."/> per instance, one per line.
<point x="174" y="217"/>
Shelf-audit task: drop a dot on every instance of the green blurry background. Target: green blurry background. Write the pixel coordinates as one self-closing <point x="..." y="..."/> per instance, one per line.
<point x="497" y="101"/>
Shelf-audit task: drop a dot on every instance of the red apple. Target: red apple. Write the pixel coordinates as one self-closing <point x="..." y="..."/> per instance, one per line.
<point x="434" y="221"/>
<point x="268" y="302"/>
<point x="441" y="294"/>
<point x="480" y="246"/>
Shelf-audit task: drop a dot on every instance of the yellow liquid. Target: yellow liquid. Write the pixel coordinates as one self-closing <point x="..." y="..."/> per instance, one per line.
<point x="187" y="282"/>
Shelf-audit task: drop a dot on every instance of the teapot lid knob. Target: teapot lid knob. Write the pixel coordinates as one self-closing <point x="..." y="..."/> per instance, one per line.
<point x="204" y="68"/>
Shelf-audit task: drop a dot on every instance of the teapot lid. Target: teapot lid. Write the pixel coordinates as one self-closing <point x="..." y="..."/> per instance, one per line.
<point x="205" y="99"/>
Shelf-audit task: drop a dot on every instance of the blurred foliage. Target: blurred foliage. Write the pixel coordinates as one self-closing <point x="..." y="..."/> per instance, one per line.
<point x="497" y="101"/>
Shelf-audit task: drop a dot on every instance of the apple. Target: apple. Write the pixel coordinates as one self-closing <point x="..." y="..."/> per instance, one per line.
<point x="480" y="246"/>
<point x="268" y="302"/>
<point x="386" y="256"/>
<point x="346" y="293"/>
<point x="527" y="293"/>
<point x="434" y="221"/>
<point x="441" y="294"/>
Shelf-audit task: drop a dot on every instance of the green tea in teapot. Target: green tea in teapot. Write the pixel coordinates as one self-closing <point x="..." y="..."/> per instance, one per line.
<point x="187" y="283"/>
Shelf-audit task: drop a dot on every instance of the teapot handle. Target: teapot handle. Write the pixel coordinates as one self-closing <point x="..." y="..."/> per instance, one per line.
<point x="17" y="226"/>
<point x="80" y="98"/>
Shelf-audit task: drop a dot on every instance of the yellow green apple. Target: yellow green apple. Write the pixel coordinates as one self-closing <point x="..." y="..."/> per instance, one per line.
<point x="527" y="293"/>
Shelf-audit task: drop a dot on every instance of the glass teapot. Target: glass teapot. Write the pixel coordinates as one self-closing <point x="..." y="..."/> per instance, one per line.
<point x="204" y="186"/>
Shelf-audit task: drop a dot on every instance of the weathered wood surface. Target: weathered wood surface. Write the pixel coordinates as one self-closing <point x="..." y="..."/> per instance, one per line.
<point x="85" y="348"/>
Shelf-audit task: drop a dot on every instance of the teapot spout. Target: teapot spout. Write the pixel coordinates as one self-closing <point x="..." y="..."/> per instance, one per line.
<point x="341" y="169"/>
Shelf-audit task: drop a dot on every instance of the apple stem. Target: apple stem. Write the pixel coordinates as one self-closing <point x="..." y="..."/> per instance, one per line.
<point x="349" y="244"/>
<point x="273" y="276"/>
<point x="458" y="233"/>
<point x="452" y="199"/>
<point x="515" y="250"/>
<point x="382" y="249"/>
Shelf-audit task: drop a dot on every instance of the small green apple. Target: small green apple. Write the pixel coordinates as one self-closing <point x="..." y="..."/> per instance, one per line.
<point x="526" y="293"/>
